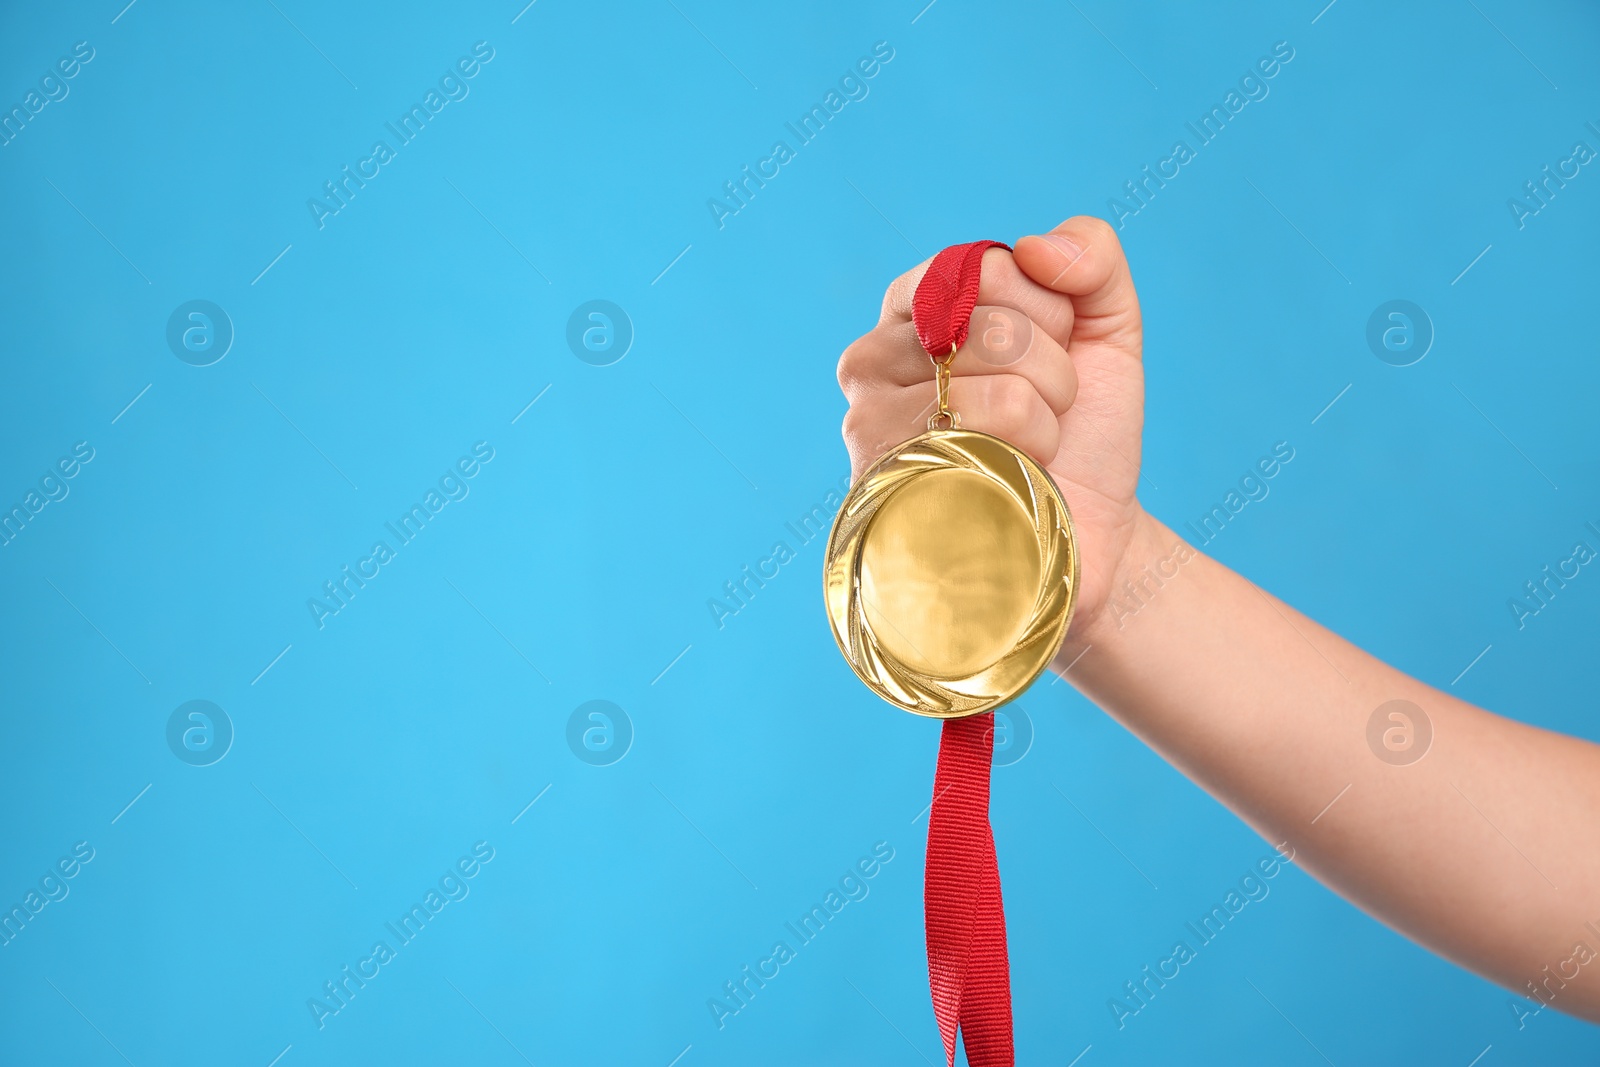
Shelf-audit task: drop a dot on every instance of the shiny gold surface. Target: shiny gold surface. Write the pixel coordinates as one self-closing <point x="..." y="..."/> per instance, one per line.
<point x="951" y="573"/>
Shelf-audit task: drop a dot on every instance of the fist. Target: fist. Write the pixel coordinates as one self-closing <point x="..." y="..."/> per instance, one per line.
<point x="1051" y="364"/>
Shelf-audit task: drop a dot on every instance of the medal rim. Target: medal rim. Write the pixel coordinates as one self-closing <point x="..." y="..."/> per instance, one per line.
<point x="952" y="689"/>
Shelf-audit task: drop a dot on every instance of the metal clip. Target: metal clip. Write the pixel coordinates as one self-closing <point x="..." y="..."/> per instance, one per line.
<point x="944" y="418"/>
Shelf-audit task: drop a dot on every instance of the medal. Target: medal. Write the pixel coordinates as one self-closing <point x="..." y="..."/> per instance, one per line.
<point x="951" y="569"/>
<point x="950" y="578"/>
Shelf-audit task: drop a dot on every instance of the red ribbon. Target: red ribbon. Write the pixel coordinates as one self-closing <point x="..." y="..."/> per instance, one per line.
<point x="942" y="305"/>
<point x="968" y="971"/>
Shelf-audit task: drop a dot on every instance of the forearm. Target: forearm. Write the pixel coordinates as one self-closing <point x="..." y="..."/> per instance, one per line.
<point x="1486" y="849"/>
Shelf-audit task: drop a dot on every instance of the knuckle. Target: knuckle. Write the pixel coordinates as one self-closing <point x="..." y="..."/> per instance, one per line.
<point x="856" y="427"/>
<point x="863" y="437"/>
<point x="1000" y="336"/>
<point x="1012" y="409"/>
<point x="1013" y="403"/>
<point x="898" y="296"/>
<point x="853" y="364"/>
<point x="850" y="426"/>
<point x="1019" y="414"/>
<point x="1068" y="386"/>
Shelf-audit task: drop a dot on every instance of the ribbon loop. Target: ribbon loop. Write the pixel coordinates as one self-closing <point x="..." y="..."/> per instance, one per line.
<point x="942" y="306"/>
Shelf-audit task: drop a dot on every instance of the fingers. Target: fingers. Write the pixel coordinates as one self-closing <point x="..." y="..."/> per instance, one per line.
<point x="1013" y="377"/>
<point x="1083" y="259"/>
<point x="1001" y="341"/>
<point x="1005" y="405"/>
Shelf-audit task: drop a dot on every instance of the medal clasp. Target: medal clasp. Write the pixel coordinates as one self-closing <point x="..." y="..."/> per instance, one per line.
<point x="944" y="418"/>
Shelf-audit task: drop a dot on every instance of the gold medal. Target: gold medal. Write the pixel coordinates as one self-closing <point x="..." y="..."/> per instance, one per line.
<point x="951" y="569"/>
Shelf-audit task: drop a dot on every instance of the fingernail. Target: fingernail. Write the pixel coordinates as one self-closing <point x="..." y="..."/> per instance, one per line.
<point x="1068" y="249"/>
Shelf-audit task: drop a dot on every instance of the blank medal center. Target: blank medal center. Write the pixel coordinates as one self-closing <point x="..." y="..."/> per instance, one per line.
<point x="949" y="573"/>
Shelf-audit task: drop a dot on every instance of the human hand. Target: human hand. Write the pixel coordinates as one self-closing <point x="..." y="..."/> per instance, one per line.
<point x="1052" y="364"/>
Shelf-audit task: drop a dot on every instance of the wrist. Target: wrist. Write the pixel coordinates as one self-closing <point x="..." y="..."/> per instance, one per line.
<point x="1152" y="556"/>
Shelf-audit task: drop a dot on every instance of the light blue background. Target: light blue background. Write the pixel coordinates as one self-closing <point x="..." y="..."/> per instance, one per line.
<point x="433" y="308"/>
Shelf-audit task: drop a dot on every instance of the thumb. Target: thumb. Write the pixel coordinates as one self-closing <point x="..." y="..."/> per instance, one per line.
<point x="1083" y="259"/>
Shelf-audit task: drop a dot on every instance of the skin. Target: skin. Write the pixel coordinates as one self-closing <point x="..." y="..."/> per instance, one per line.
<point x="1486" y="850"/>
